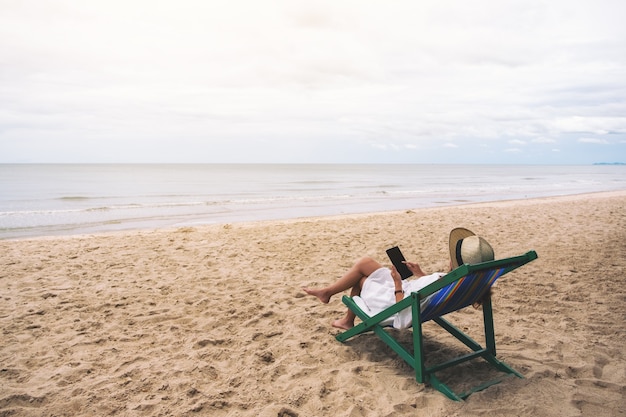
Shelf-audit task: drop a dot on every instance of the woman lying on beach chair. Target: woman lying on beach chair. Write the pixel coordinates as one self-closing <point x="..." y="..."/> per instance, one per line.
<point x="379" y="287"/>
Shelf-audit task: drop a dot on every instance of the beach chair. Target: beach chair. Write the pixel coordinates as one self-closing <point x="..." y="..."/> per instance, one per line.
<point x="460" y="288"/>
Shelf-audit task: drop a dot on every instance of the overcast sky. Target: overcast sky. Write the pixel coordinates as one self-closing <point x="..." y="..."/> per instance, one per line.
<point x="313" y="81"/>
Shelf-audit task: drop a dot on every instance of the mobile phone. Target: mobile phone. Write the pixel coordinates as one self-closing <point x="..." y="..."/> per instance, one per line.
<point x="397" y="259"/>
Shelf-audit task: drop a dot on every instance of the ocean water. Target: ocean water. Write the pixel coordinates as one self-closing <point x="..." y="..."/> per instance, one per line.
<point x="42" y="200"/>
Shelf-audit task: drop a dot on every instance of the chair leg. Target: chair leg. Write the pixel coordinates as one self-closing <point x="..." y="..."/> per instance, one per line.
<point x="490" y="339"/>
<point x="418" y="346"/>
<point x="444" y="389"/>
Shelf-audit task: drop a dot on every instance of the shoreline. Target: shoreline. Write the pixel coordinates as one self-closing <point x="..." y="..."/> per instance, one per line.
<point x="494" y="203"/>
<point x="212" y="319"/>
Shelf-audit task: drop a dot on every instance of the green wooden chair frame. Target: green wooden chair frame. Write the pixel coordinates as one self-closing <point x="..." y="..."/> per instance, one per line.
<point x="458" y="289"/>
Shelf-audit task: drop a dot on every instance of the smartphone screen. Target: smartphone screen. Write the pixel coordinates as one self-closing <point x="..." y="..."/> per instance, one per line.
<point x="397" y="259"/>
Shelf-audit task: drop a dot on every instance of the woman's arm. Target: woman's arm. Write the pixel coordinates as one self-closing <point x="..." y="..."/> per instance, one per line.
<point x="397" y="282"/>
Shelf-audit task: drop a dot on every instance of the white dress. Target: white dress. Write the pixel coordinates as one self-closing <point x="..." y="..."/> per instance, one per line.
<point x="378" y="290"/>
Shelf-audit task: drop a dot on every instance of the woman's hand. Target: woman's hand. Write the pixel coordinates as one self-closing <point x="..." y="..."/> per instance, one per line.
<point x="395" y="275"/>
<point x="415" y="269"/>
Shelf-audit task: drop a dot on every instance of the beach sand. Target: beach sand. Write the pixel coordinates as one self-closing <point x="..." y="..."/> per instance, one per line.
<point x="212" y="320"/>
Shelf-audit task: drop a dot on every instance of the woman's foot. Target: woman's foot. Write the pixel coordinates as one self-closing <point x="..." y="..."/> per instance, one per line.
<point x="344" y="323"/>
<point x="322" y="295"/>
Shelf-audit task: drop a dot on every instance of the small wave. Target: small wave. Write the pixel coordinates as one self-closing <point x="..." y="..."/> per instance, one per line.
<point x="74" y="198"/>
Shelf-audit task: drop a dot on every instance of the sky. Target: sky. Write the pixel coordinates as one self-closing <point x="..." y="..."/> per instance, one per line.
<point x="367" y="81"/>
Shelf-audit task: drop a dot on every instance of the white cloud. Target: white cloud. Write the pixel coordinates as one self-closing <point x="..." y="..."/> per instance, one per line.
<point x="380" y="146"/>
<point x="594" y="140"/>
<point x="599" y="125"/>
<point x="543" y="140"/>
<point x="450" y="145"/>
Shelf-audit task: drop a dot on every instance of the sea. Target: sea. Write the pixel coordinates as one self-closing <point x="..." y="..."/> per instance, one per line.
<point x="67" y="199"/>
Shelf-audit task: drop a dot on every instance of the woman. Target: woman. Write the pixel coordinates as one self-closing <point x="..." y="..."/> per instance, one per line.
<point x="379" y="287"/>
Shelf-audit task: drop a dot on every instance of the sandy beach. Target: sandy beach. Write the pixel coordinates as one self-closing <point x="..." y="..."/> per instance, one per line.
<point x="212" y="320"/>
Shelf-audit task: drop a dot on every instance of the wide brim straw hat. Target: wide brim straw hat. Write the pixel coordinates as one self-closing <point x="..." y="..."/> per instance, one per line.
<point x="467" y="248"/>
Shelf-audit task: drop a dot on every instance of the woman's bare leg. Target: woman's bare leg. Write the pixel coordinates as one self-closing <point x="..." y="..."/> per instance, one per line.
<point x="363" y="268"/>
<point x="353" y="280"/>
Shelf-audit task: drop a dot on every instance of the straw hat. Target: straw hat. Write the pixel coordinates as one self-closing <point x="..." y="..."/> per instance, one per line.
<point x="467" y="248"/>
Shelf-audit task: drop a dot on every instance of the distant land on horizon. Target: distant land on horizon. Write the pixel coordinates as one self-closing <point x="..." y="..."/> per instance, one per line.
<point x="610" y="163"/>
